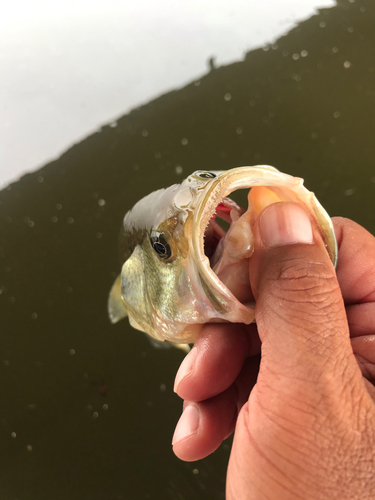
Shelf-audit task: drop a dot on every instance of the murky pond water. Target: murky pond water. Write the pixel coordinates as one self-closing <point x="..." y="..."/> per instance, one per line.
<point x="87" y="408"/>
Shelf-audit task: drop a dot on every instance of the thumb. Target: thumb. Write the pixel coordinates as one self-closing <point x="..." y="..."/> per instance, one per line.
<point x="300" y="312"/>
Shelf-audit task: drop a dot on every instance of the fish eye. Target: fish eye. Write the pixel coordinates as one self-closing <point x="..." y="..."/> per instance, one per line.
<point x="206" y="175"/>
<point x="161" y="246"/>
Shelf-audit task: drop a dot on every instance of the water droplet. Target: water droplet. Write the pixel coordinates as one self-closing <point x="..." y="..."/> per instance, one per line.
<point x="195" y="471"/>
<point x="30" y="223"/>
<point x="285" y="53"/>
<point x="239" y="130"/>
<point x="322" y="24"/>
<point x="349" y="192"/>
<point x="274" y="46"/>
<point x="295" y="56"/>
<point x="58" y="206"/>
<point x="29" y="447"/>
<point x="69" y="289"/>
<point x="252" y="102"/>
<point x="145" y="133"/>
<point x="337" y="114"/>
<point x="40" y="178"/>
<point x="13" y="434"/>
<point x="105" y="407"/>
<point x="70" y="220"/>
<point x="347" y="64"/>
<point x="72" y="352"/>
<point x="314" y="135"/>
<point x="95" y="414"/>
<point x="335" y="50"/>
<point x="197" y="83"/>
<point x="363" y="9"/>
<point x="34" y="316"/>
<point x="98" y="235"/>
<point x="32" y="406"/>
<point x="6" y="362"/>
<point x="101" y="202"/>
<point x="184" y="141"/>
<point x="178" y="169"/>
<point x="227" y="97"/>
<point x="89" y="407"/>
<point x="304" y="53"/>
<point x="163" y="387"/>
<point x="350" y="29"/>
<point x="113" y="124"/>
<point x="135" y="167"/>
<point x="157" y="155"/>
<point x="54" y="219"/>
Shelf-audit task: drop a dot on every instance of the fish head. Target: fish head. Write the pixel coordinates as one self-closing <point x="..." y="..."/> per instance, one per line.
<point x="181" y="269"/>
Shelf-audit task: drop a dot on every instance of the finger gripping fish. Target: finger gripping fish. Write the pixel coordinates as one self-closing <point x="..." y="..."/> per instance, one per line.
<point x="181" y="269"/>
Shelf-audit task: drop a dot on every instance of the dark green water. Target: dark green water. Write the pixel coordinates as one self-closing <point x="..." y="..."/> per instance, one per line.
<point x="87" y="408"/>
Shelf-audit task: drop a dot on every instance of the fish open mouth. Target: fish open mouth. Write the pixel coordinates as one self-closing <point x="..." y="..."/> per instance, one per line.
<point x="223" y="257"/>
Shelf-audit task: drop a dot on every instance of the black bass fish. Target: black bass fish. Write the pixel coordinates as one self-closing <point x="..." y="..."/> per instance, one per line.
<point x="181" y="269"/>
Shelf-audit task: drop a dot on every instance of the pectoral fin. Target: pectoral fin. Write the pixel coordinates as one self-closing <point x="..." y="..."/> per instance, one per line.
<point x="116" y="309"/>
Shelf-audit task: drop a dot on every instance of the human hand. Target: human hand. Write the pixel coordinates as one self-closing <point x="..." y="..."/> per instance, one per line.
<point x="306" y="416"/>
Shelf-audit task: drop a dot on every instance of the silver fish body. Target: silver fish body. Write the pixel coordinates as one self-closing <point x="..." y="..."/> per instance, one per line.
<point x="181" y="269"/>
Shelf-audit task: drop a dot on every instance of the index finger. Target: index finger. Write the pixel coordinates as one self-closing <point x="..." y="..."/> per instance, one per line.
<point x="356" y="261"/>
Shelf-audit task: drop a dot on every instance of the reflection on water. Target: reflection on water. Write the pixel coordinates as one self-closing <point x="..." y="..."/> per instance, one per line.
<point x="87" y="408"/>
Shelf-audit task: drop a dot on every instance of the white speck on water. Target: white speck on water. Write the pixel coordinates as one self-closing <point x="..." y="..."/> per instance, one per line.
<point x="54" y="218"/>
<point x="197" y="83"/>
<point x="350" y="29"/>
<point x="349" y="192"/>
<point x="98" y="235"/>
<point x="195" y="471"/>
<point x="72" y="352"/>
<point x="58" y="206"/>
<point x="227" y="97"/>
<point x="335" y="50"/>
<point x="13" y="434"/>
<point x="34" y="316"/>
<point x="145" y="133"/>
<point x="178" y="169"/>
<point x="285" y="53"/>
<point x="113" y="124"/>
<point x="163" y="387"/>
<point x="101" y="202"/>
<point x="184" y="141"/>
<point x="295" y="56"/>
<point x="239" y="130"/>
<point x="304" y="53"/>
<point x="252" y="102"/>
<point x="40" y="178"/>
<point x="70" y="220"/>
<point x="347" y="64"/>
<point x="95" y="414"/>
<point x="322" y="24"/>
<point x="105" y="407"/>
<point x="336" y="114"/>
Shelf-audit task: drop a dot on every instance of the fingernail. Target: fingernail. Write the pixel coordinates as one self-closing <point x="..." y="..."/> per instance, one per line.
<point x="186" y="367"/>
<point x="187" y="425"/>
<point x="285" y="224"/>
